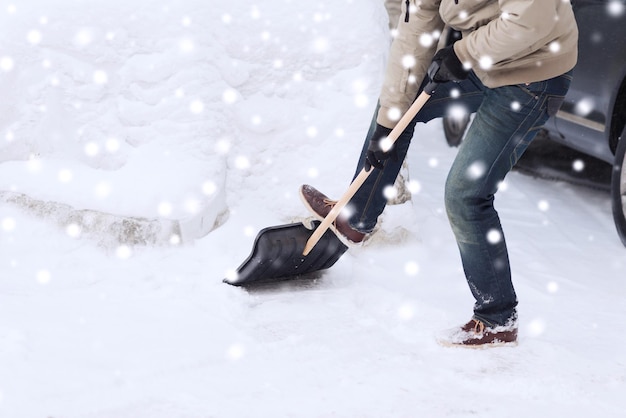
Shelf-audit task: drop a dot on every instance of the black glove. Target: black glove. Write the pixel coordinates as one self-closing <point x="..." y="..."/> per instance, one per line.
<point x="450" y="67"/>
<point x="376" y="150"/>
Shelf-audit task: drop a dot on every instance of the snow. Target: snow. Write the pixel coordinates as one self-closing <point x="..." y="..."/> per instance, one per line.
<point x="195" y="123"/>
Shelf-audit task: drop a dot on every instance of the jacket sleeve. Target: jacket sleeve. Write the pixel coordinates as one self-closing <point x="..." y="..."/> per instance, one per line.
<point x="411" y="53"/>
<point x="520" y="29"/>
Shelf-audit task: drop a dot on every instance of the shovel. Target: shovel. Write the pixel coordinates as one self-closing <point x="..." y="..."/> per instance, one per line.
<point x="292" y="250"/>
<point x="277" y="255"/>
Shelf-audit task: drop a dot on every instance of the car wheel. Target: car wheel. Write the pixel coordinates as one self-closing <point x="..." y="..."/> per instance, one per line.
<point x="454" y="128"/>
<point x="618" y="189"/>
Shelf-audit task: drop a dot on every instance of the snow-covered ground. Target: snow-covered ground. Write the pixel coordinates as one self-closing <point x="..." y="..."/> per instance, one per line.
<point x="189" y="125"/>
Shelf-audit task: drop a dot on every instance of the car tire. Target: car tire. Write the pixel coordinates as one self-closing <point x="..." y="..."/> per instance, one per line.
<point x="454" y="129"/>
<point x="618" y="188"/>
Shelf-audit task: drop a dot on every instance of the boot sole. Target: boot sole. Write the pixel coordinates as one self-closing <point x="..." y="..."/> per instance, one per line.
<point x="485" y="346"/>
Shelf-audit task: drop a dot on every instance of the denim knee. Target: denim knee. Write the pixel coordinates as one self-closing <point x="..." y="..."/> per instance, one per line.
<point x="461" y="201"/>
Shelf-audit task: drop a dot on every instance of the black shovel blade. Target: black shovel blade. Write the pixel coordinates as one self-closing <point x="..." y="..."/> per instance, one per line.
<point x="277" y="254"/>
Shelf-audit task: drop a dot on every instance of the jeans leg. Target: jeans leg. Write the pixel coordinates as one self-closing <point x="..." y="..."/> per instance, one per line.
<point x="369" y="201"/>
<point x="504" y="125"/>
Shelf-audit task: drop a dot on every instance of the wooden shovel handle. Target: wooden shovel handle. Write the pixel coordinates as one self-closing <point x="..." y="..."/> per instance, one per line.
<point x="360" y="179"/>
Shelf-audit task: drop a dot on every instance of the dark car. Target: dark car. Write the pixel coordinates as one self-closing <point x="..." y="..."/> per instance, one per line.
<point x="592" y="119"/>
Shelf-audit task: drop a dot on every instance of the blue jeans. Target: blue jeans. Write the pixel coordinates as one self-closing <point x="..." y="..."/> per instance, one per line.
<point x="506" y="121"/>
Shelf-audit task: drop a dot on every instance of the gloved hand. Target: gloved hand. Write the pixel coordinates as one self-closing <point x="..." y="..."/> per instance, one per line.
<point x="450" y="67"/>
<point x="379" y="149"/>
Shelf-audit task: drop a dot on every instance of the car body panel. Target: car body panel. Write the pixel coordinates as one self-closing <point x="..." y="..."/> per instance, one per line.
<point x="587" y="121"/>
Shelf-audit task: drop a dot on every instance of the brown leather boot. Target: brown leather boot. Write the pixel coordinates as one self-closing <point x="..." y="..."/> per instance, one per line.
<point x="475" y="334"/>
<point x="320" y="206"/>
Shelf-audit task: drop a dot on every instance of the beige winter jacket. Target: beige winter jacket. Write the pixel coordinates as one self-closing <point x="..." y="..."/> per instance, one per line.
<point x="504" y="41"/>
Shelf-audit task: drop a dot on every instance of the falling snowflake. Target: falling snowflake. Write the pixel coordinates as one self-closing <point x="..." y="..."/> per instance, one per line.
<point x="485" y="62"/>
<point x="476" y="170"/>
<point x="555" y="47"/>
<point x="457" y="112"/>
<point x="192" y="205"/>
<point x="102" y="190"/>
<point x="242" y="162"/>
<point x="515" y="106"/>
<point x="43" y="277"/>
<point x="543" y="205"/>
<point x="73" y="230"/>
<point x="226" y="18"/>
<point x="164" y="209"/>
<point x="222" y="146"/>
<point x="83" y="37"/>
<point x="390" y="192"/>
<point x="386" y="143"/>
<point x="249" y="231"/>
<point x="209" y="188"/>
<point x="414" y="186"/>
<point x="536" y="327"/>
<point x="584" y="106"/>
<point x="34" y="37"/>
<point x="8" y="224"/>
<point x="321" y="45"/>
<point x="6" y="64"/>
<point x="394" y="114"/>
<point x="124" y="252"/>
<point x="91" y="149"/>
<point x="112" y="145"/>
<point x="229" y="96"/>
<point x="196" y="107"/>
<point x="615" y="8"/>
<point x="426" y="40"/>
<point x="406" y="312"/>
<point x="313" y="172"/>
<point x="235" y="352"/>
<point x="186" y="45"/>
<point x="578" y="165"/>
<point x="411" y="268"/>
<point x="311" y="131"/>
<point x="361" y="100"/>
<point x="494" y="236"/>
<point x="100" y="77"/>
<point x="65" y="175"/>
<point x="34" y="165"/>
<point x="552" y="287"/>
<point x="408" y="61"/>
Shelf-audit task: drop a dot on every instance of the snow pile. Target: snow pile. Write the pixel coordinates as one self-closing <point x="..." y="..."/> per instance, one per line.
<point x="136" y="110"/>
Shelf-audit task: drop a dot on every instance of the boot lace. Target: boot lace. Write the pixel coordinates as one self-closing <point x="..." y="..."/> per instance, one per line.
<point x="479" y="326"/>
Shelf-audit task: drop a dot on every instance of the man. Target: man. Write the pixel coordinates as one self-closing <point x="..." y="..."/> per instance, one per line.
<point x="512" y="67"/>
